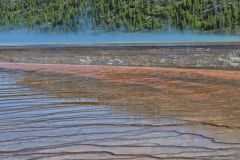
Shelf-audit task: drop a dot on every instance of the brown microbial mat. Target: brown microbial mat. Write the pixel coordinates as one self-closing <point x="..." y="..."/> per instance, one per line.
<point x="82" y="112"/>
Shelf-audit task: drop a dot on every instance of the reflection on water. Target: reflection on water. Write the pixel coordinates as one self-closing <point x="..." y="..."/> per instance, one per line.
<point x="51" y="116"/>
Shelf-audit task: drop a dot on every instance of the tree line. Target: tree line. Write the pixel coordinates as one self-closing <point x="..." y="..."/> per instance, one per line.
<point x="218" y="16"/>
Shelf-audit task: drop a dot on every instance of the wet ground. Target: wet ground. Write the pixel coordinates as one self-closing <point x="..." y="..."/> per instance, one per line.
<point x="181" y="55"/>
<point x="99" y="112"/>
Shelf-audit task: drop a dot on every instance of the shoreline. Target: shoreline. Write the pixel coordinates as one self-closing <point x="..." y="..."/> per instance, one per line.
<point x="106" y="72"/>
<point x="216" y="56"/>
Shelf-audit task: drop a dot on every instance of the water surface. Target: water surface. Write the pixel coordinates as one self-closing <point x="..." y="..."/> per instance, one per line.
<point x="132" y="115"/>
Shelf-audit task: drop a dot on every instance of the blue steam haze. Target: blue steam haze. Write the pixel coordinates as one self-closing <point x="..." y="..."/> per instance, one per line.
<point x="18" y="38"/>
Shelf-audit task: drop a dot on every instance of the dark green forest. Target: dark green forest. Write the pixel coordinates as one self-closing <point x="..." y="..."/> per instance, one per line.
<point x="216" y="16"/>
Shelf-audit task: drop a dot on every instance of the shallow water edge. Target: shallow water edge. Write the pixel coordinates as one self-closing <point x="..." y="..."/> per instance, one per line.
<point x="63" y="111"/>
